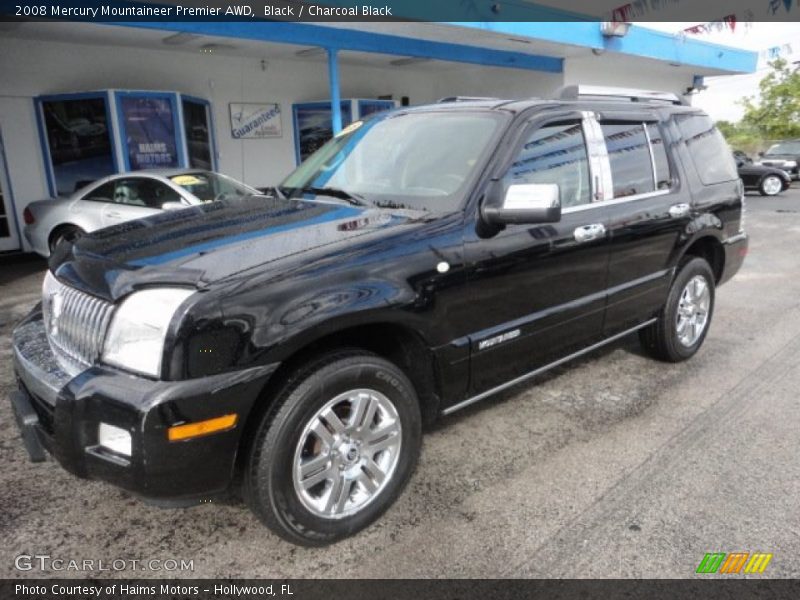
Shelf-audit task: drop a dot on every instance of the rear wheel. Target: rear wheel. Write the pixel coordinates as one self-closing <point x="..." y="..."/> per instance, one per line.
<point x="65" y="233"/>
<point x="771" y="185"/>
<point x="335" y="450"/>
<point x="683" y="323"/>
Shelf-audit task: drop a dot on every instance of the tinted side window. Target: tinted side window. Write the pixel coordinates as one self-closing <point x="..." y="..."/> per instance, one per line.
<point x="628" y="152"/>
<point x="555" y="153"/>
<point x="144" y="192"/>
<point x="104" y="193"/>
<point x="663" y="174"/>
<point x="707" y="147"/>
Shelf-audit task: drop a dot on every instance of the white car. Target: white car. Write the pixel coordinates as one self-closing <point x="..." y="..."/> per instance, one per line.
<point x="123" y="197"/>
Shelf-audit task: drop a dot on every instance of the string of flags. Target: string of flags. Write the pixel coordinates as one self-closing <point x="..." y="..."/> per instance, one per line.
<point x="776" y="52"/>
<point x="728" y="21"/>
<point x="641" y="8"/>
<point x="774" y="5"/>
<point x="637" y="9"/>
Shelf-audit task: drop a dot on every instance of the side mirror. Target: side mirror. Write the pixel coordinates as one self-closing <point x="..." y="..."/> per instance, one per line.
<point x="523" y="203"/>
<point x="761" y="154"/>
<point x="172" y="206"/>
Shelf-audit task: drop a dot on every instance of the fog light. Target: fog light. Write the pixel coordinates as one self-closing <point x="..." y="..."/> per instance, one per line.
<point x="114" y="438"/>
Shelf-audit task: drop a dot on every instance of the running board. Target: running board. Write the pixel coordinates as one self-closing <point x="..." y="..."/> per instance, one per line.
<point x="540" y="370"/>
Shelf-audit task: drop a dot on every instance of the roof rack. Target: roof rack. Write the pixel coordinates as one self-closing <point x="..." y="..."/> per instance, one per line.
<point x="464" y="99"/>
<point x="595" y="92"/>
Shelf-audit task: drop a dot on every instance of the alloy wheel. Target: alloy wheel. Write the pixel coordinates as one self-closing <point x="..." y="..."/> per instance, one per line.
<point x="347" y="453"/>
<point x="693" y="307"/>
<point x="772" y="185"/>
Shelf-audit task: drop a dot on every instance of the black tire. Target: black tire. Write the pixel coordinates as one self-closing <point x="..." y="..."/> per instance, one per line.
<point x="661" y="339"/>
<point x="65" y="233"/>
<point x="269" y="487"/>
<point x="762" y="186"/>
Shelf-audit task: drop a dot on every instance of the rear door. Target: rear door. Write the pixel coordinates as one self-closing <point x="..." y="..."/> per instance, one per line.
<point x="649" y="210"/>
<point x="538" y="291"/>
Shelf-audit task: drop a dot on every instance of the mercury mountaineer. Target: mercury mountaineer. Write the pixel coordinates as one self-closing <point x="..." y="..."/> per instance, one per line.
<point x="291" y="347"/>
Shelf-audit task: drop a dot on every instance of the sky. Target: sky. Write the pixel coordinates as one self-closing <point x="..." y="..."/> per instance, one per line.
<point x="720" y="99"/>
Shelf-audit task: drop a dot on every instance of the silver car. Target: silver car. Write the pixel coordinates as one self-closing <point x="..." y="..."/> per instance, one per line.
<point x="123" y="197"/>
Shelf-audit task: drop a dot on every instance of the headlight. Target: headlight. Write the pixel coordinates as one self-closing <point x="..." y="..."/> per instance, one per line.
<point x="790" y="163"/>
<point x="135" y="339"/>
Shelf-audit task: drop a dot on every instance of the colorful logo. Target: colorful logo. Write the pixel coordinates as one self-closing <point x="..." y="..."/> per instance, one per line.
<point x="731" y="564"/>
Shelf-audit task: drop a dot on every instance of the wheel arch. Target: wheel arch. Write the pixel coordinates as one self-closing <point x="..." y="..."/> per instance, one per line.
<point x="398" y="343"/>
<point x="59" y="227"/>
<point x="708" y="247"/>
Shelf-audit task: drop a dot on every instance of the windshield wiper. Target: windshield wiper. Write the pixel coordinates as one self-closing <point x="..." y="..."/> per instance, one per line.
<point x="349" y="197"/>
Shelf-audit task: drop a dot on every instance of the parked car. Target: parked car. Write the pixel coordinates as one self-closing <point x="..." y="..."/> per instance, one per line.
<point x="783" y="155"/>
<point x="769" y="181"/>
<point x="420" y="261"/>
<point x="122" y="197"/>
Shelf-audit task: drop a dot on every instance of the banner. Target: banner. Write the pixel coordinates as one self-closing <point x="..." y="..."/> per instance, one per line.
<point x="256" y="121"/>
<point x="149" y="131"/>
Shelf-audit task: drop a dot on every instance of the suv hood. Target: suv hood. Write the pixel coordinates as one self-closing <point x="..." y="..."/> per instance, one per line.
<point x="203" y="244"/>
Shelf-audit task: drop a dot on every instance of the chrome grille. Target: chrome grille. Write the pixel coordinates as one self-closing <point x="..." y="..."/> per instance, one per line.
<point x="75" y="322"/>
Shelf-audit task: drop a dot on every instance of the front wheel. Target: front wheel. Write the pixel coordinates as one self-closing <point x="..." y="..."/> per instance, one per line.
<point x="683" y="323"/>
<point x="771" y="185"/>
<point x="335" y="450"/>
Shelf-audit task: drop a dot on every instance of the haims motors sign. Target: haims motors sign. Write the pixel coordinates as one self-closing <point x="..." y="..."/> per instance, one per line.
<point x="255" y="121"/>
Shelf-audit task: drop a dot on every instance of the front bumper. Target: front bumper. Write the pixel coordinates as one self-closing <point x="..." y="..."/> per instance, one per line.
<point x="61" y="414"/>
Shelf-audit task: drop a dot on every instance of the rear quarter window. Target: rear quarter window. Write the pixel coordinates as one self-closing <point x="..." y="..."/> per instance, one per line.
<point x="710" y="153"/>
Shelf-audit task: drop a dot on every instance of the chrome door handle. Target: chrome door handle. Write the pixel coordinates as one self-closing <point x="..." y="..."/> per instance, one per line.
<point x="676" y="211"/>
<point x="587" y="233"/>
<point x="114" y="215"/>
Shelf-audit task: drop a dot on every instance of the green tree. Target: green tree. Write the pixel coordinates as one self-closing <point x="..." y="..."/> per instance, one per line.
<point x="741" y="136"/>
<point x="776" y="114"/>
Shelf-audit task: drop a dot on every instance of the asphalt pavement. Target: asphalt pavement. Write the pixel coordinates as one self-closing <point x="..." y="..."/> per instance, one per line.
<point x="612" y="466"/>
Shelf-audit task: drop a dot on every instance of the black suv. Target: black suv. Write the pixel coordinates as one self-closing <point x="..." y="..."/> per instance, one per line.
<point x="783" y="155"/>
<point x="292" y="346"/>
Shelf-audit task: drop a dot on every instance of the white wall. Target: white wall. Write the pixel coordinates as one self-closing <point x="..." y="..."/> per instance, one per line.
<point x="624" y="71"/>
<point x="29" y="68"/>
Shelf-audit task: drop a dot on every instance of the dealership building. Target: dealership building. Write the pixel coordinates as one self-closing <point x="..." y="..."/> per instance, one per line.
<point x="82" y="100"/>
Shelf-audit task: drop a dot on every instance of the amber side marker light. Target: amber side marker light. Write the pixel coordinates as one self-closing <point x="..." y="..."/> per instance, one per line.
<point x="193" y="430"/>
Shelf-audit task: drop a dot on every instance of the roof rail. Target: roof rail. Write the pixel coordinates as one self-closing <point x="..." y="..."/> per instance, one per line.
<point x="596" y="92"/>
<point x="464" y="99"/>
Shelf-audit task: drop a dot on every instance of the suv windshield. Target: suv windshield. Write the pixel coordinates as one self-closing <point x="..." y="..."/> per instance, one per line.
<point x="420" y="161"/>
<point x="208" y="186"/>
<point x="784" y="148"/>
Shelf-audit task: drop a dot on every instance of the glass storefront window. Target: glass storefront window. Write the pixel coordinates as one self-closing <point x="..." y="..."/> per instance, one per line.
<point x="197" y="127"/>
<point x="79" y="139"/>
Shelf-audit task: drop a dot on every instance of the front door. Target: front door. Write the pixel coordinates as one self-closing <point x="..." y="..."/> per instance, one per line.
<point x="538" y="291"/>
<point x="9" y="240"/>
